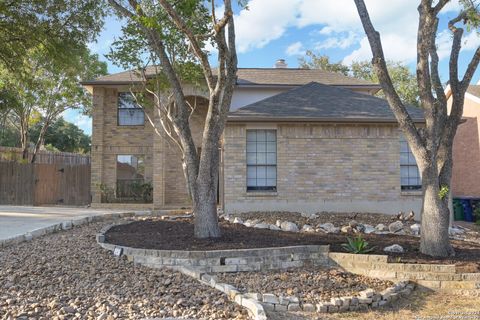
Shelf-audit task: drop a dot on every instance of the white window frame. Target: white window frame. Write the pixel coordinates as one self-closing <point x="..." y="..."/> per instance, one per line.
<point x="410" y="178"/>
<point x="261" y="160"/>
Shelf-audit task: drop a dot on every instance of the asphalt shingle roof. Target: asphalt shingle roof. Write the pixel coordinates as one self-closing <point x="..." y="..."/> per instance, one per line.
<point x="319" y="102"/>
<point x="253" y="76"/>
<point x="475" y="90"/>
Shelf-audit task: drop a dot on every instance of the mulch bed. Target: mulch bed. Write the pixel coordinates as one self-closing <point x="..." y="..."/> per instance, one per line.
<point x="178" y="235"/>
<point x="310" y="285"/>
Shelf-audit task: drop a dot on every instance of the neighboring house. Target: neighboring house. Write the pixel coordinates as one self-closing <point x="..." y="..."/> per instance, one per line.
<point x="295" y="140"/>
<point x="466" y="147"/>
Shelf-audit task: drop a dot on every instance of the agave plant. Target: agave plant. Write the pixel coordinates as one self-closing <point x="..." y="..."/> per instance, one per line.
<point x="357" y="245"/>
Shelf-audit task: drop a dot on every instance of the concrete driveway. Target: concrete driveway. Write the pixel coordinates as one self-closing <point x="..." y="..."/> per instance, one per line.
<point x="16" y="220"/>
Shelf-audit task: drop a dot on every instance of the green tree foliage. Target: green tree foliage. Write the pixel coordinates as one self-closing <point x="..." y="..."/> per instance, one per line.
<point x="63" y="136"/>
<point x="403" y="79"/>
<point x="59" y="27"/>
<point x="322" y="62"/>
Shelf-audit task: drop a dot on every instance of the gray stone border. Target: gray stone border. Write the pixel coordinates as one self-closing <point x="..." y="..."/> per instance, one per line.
<point x="365" y="299"/>
<point x="254" y="307"/>
<point x="215" y="261"/>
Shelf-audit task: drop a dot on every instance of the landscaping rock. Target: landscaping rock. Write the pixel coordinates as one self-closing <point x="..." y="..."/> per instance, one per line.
<point x="289" y="226"/>
<point x="67" y="275"/>
<point x="278" y="223"/>
<point x="455" y="231"/>
<point x="329" y="228"/>
<point x="415" y="228"/>
<point x="307" y="228"/>
<point x="238" y="220"/>
<point x="251" y="223"/>
<point x="309" y="215"/>
<point x="381" y="227"/>
<point x="369" y="229"/>
<point x="262" y="226"/>
<point x="360" y="228"/>
<point x="395" y="226"/>
<point x="274" y="227"/>
<point x="346" y="229"/>
<point x="353" y="224"/>
<point x="394" y="248"/>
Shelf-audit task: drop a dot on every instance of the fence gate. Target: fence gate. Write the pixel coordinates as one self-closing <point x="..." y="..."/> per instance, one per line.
<point x="43" y="184"/>
<point x="62" y="184"/>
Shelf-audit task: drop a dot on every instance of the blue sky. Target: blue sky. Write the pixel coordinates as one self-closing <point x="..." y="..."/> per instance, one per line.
<point x="273" y="29"/>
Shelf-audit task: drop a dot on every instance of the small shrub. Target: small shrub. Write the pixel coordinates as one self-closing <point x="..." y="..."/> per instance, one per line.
<point x="357" y="245"/>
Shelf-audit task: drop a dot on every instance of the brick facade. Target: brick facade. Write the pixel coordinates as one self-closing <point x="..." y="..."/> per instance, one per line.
<point x="162" y="157"/>
<point x="322" y="167"/>
<point x="342" y="167"/>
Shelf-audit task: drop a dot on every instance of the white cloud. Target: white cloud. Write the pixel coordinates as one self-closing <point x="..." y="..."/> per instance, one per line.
<point x="396" y="20"/>
<point x="339" y="41"/>
<point x="295" y="49"/>
<point x="266" y="20"/>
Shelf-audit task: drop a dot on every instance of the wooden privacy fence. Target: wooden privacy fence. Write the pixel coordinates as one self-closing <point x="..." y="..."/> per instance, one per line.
<point x="41" y="184"/>
<point x="15" y="154"/>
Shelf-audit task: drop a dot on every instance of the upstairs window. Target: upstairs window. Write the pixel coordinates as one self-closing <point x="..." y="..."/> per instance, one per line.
<point x="261" y="160"/>
<point x="129" y="112"/>
<point x="409" y="175"/>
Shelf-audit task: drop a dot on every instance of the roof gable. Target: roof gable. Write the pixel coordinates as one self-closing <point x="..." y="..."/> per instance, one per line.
<point x="319" y="102"/>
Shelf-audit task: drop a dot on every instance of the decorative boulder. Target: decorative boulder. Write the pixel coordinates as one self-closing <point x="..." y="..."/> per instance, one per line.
<point x="250" y="223"/>
<point x="369" y="229"/>
<point x="329" y="228"/>
<point x="308" y="215"/>
<point x="346" y="229"/>
<point x="289" y="226"/>
<point x="381" y="227"/>
<point x="307" y="228"/>
<point x="262" y="225"/>
<point x="237" y="220"/>
<point x="273" y="227"/>
<point x="360" y="228"/>
<point x="395" y="226"/>
<point x="278" y="223"/>
<point x="353" y="223"/>
<point x="415" y="229"/>
<point x="394" y="248"/>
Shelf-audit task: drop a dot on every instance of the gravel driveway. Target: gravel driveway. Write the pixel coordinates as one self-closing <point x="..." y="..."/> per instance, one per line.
<point x="68" y="276"/>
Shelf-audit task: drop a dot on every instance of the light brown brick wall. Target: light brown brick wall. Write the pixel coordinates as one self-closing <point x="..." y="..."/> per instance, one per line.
<point x="110" y="140"/>
<point x="466" y="153"/>
<point x="162" y="157"/>
<point x="320" y="162"/>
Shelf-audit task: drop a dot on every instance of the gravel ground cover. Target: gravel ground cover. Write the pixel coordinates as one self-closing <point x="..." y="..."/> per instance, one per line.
<point x="66" y="275"/>
<point x="310" y="285"/>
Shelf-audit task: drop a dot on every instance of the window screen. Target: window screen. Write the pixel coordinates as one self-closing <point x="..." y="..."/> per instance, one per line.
<point x="409" y="175"/>
<point x="129" y="113"/>
<point x="261" y="160"/>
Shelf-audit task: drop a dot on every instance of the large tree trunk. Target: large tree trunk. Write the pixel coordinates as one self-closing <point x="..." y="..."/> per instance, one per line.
<point x="205" y="189"/>
<point x="435" y="216"/>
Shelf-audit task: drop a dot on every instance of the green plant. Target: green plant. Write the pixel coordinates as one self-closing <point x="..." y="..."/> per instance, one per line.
<point x="443" y="192"/>
<point x="107" y="193"/>
<point x="357" y="245"/>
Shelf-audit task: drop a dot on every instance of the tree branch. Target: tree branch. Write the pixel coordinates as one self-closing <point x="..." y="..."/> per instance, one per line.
<point x="378" y="61"/>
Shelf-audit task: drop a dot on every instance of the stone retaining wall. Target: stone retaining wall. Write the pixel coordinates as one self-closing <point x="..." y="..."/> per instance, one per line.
<point x="433" y="276"/>
<point x="225" y="260"/>
<point x="365" y="299"/>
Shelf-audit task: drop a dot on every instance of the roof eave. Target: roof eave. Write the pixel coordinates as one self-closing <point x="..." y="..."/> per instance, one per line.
<point x="315" y="119"/>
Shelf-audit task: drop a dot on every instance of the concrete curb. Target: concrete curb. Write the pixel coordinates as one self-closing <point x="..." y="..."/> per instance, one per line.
<point x="67" y="225"/>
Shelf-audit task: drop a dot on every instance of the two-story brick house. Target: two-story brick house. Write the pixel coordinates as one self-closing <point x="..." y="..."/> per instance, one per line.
<point x="295" y="140"/>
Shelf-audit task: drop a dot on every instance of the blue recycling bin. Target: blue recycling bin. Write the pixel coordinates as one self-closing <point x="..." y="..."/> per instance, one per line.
<point x="467" y="209"/>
